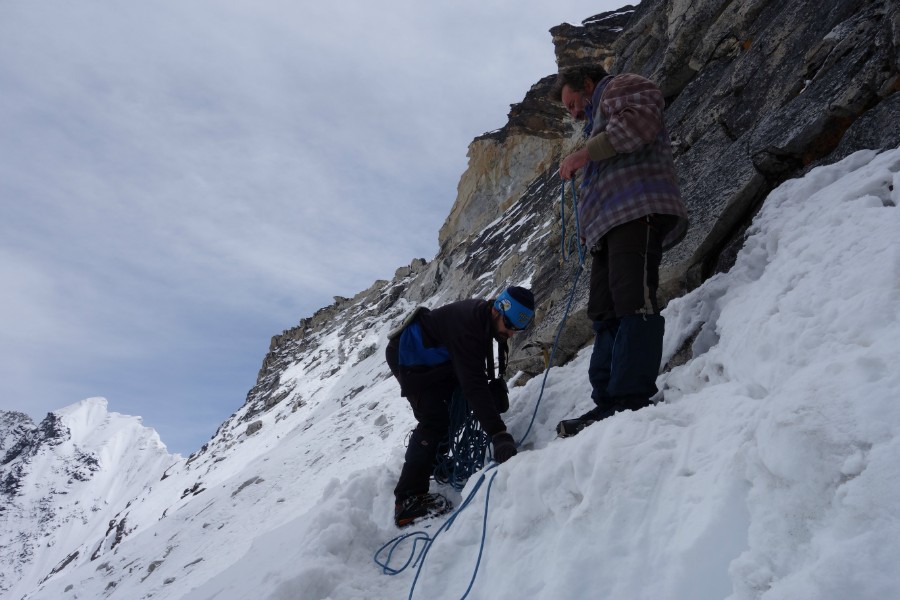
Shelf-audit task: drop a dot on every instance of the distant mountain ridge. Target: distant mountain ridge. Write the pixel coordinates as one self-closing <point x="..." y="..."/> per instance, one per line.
<point x="79" y="466"/>
<point x="758" y="93"/>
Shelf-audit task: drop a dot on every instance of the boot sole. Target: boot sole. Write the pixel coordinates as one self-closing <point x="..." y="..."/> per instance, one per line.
<point x="571" y="427"/>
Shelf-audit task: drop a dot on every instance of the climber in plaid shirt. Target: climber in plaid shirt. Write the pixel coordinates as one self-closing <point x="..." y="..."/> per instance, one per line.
<point x="630" y="210"/>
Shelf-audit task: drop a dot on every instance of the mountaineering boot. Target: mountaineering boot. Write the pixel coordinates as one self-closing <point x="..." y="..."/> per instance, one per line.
<point x="570" y="427"/>
<point x="414" y="508"/>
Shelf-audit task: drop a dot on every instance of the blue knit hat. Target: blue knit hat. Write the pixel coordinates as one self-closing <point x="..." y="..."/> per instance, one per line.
<point x="516" y="304"/>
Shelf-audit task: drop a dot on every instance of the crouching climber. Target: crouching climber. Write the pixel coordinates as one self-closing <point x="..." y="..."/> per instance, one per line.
<point x="433" y="353"/>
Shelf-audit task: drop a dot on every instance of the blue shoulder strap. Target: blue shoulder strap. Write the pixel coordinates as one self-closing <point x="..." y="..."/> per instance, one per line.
<point x="413" y="352"/>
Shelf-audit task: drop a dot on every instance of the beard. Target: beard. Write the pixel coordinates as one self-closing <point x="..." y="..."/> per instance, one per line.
<point x="498" y="335"/>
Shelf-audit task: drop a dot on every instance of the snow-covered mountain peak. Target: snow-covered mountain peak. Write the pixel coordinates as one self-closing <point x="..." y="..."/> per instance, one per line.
<point x="69" y="475"/>
<point x="93" y="428"/>
<point x="82" y="417"/>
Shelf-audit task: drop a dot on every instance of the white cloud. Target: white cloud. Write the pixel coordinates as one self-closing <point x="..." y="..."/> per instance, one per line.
<point x="171" y="170"/>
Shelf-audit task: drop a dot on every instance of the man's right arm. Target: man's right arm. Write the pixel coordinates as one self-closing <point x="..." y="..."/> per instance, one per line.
<point x="463" y="332"/>
<point x="573" y="162"/>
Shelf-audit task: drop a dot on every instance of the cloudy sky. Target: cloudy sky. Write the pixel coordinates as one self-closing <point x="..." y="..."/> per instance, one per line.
<point x="180" y="181"/>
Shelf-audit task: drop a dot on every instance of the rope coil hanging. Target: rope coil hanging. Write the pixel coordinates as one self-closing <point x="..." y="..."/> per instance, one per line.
<point x="566" y="253"/>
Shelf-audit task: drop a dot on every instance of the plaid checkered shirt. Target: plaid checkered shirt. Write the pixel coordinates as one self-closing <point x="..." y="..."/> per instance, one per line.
<point x="640" y="179"/>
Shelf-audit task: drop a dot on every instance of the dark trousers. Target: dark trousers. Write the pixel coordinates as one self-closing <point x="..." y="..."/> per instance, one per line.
<point x="429" y="393"/>
<point x="431" y="409"/>
<point x="624" y="308"/>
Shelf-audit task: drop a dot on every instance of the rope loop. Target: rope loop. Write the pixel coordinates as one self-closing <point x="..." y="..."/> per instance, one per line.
<point x="422" y="542"/>
<point x="582" y="251"/>
<point x="566" y="249"/>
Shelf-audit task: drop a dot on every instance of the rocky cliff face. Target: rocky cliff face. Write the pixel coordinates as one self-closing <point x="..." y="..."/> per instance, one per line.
<point x="758" y="92"/>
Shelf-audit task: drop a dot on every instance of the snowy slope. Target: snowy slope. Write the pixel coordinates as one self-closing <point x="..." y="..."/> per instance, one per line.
<point x="770" y="471"/>
<point x="76" y="472"/>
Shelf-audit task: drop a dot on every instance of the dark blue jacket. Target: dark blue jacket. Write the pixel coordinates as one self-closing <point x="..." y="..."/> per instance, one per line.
<point x="464" y="328"/>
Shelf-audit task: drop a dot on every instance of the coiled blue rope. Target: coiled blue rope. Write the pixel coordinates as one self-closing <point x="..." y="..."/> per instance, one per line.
<point x="468" y="446"/>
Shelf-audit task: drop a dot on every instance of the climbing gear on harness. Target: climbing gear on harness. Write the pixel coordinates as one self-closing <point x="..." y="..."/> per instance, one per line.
<point x="496" y="383"/>
<point x="500" y="394"/>
<point x="418" y="507"/>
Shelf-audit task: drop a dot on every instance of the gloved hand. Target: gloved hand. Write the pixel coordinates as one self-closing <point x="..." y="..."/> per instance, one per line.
<point x="504" y="446"/>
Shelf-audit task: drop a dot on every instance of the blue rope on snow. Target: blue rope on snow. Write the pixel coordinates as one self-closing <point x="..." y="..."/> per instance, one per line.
<point x="417" y="536"/>
<point x="417" y="557"/>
